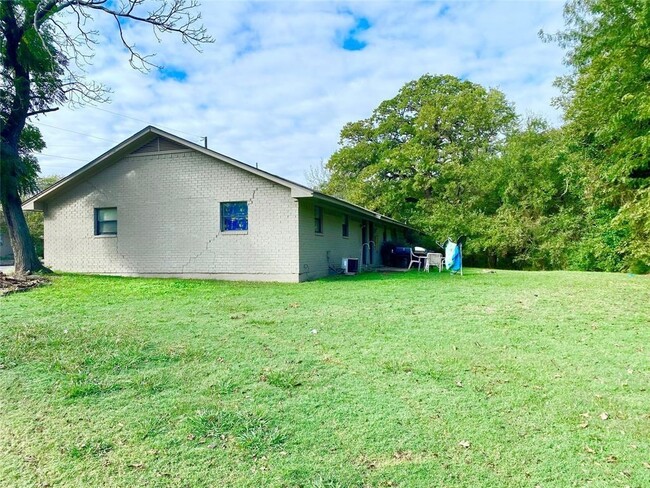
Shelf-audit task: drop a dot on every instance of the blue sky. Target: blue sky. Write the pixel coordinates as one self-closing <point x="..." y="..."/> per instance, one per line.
<point x="352" y="38"/>
<point x="283" y="78"/>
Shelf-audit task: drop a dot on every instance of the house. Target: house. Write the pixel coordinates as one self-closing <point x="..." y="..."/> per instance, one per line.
<point x="6" y="253"/>
<point x="158" y="205"/>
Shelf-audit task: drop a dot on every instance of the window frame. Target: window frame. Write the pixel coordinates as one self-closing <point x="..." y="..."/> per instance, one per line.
<point x="222" y="217"/>
<point x="318" y="219"/>
<point x="98" y="222"/>
<point x="345" y="227"/>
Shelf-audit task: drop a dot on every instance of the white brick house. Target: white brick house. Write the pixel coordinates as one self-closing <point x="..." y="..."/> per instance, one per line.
<point x="6" y="253"/>
<point x="158" y="205"/>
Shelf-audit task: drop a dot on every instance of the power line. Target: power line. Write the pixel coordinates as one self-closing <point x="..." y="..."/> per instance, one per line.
<point x="75" y="132"/>
<point x="61" y="157"/>
<point x="145" y="122"/>
<point x="50" y="145"/>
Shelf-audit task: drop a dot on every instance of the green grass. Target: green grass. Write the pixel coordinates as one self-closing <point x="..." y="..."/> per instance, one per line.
<point x="378" y="380"/>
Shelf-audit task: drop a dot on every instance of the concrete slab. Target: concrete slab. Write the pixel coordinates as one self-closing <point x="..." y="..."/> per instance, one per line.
<point x="7" y="270"/>
<point x="389" y="269"/>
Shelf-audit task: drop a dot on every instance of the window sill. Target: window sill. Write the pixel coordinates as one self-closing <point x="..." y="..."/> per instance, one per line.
<point x="345" y="237"/>
<point x="234" y="232"/>
<point x="104" y="236"/>
<point x="319" y="234"/>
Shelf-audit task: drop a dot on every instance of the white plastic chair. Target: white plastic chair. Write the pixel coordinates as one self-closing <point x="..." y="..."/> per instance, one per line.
<point x="416" y="259"/>
<point x="434" y="259"/>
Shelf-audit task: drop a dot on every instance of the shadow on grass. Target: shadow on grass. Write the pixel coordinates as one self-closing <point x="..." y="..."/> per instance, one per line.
<point x="112" y="287"/>
<point x="411" y="275"/>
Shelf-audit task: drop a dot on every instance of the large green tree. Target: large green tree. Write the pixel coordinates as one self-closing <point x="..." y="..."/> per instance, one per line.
<point x="537" y="218"/>
<point x="606" y="98"/>
<point x="451" y="158"/>
<point x="418" y="155"/>
<point x="44" y="45"/>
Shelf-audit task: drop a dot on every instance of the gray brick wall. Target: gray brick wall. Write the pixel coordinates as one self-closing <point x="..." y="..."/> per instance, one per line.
<point x="319" y="251"/>
<point x="168" y="221"/>
<point x="6" y="253"/>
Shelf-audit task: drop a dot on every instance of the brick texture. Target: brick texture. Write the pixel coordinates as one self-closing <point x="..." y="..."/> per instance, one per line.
<point x="168" y="221"/>
<point x="6" y="253"/>
<point x="319" y="253"/>
<point x="168" y="206"/>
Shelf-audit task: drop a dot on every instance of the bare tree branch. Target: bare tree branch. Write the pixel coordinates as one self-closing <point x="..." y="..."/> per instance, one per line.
<point x="45" y="46"/>
<point x="177" y="16"/>
<point x="42" y="111"/>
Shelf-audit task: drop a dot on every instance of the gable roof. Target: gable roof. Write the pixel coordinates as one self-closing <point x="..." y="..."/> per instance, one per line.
<point x="148" y="136"/>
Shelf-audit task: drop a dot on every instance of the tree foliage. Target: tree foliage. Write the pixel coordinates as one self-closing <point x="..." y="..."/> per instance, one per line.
<point x="606" y="99"/>
<point x="44" y="47"/>
<point x="317" y="176"/>
<point x="416" y="155"/>
<point x="449" y="157"/>
<point x="527" y="193"/>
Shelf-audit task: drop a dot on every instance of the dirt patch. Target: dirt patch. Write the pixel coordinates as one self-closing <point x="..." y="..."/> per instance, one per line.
<point x="13" y="284"/>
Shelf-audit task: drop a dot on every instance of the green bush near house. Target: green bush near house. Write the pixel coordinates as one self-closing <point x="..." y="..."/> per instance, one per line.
<point x="411" y="380"/>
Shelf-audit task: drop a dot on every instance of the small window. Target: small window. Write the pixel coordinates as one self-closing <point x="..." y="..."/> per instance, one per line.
<point x="346" y="226"/>
<point x="106" y="221"/>
<point x="234" y="216"/>
<point x="318" y="220"/>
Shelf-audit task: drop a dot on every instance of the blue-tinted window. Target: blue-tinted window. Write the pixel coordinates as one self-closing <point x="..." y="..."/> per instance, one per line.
<point x="234" y="216"/>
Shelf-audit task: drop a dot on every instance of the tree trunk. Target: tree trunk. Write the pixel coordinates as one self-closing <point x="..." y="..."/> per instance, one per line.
<point x="25" y="259"/>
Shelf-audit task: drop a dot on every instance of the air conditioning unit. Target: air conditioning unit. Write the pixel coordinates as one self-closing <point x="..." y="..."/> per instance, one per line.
<point x="350" y="265"/>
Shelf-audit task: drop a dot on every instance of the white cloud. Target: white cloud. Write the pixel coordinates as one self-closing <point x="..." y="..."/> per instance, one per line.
<point x="276" y="87"/>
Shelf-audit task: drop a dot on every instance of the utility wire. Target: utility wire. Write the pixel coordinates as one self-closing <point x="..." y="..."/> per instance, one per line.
<point x="145" y="122"/>
<point x="75" y="132"/>
<point x="61" y="157"/>
<point x="101" y="138"/>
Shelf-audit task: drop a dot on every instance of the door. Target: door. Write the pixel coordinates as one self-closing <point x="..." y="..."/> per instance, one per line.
<point x="371" y="242"/>
<point x="367" y="242"/>
<point x="364" y="242"/>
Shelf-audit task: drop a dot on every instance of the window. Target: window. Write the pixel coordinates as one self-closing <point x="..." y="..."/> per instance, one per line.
<point x="346" y="226"/>
<point x="234" y="216"/>
<point x="318" y="220"/>
<point x="106" y="221"/>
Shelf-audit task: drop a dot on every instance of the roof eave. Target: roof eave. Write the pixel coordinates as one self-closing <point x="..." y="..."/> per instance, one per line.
<point x="36" y="202"/>
<point x="29" y="205"/>
<point x="136" y="141"/>
<point x="125" y="147"/>
<point x="297" y="189"/>
<point x="361" y="210"/>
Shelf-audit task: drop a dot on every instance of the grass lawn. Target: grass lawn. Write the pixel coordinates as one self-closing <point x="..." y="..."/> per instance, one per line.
<point x="506" y="379"/>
